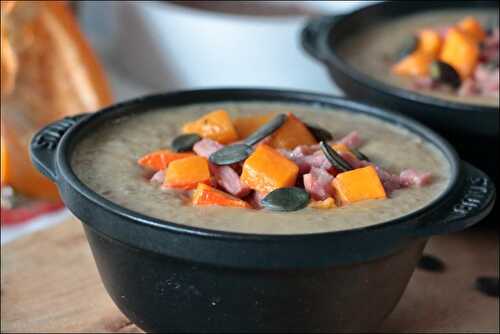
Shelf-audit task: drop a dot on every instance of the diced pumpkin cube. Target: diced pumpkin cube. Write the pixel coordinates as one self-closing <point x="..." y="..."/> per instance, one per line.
<point x="187" y="173"/>
<point x="292" y="134"/>
<point x="461" y="52"/>
<point x="473" y="28"/>
<point x="246" y="125"/>
<point x="216" y="125"/>
<point x="328" y="203"/>
<point x="206" y="195"/>
<point x="415" y="64"/>
<point x="358" y="185"/>
<point x="341" y="148"/>
<point x="159" y="160"/>
<point x="429" y="42"/>
<point x="266" y="169"/>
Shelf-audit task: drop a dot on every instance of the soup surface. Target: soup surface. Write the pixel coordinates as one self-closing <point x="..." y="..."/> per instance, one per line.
<point x="370" y="50"/>
<point x="106" y="161"/>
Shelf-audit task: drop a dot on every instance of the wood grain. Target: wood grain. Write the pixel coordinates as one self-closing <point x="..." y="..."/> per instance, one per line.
<point x="50" y="284"/>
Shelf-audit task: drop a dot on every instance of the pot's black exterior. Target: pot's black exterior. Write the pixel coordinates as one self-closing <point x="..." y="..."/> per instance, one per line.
<point x="160" y="293"/>
<point x="322" y="36"/>
<point x="169" y="277"/>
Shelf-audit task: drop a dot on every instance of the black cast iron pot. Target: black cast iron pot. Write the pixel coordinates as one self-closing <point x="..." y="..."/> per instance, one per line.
<point x="322" y="37"/>
<point x="167" y="277"/>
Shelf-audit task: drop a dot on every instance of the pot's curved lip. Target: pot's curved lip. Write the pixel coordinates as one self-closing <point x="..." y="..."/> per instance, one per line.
<point x="333" y="58"/>
<point x="260" y="95"/>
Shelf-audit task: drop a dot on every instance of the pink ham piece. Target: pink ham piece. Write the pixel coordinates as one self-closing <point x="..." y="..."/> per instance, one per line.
<point x="410" y="177"/>
<point x="255" y="199"/>
<point x="206" y="147"/>
<point x="351" y="140"/>
<point x="307" y="157"/>
<point x="158" y="177"/>
<point x="318" y="184"/>
<point x="229" y="180"/>
<point x="487" y="80"/>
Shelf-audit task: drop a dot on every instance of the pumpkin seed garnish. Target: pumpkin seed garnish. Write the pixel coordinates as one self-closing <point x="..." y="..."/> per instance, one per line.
<point x="286" y="199"/>
<point x="358" y="154"/>
<point x="266" y="130"/>
<point x="409" y="45"/>
<point x="334" y="158"/>
<point x="445" y="73"/>
<point x="488" y="286"/>
<point x="431" y="263"/>
<point x="184" y="143"/>
<point x="231" y="154"/>
<point x="319" y="133"/>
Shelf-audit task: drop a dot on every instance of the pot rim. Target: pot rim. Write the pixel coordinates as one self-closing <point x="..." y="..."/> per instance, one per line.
<point x="334" y="59"/>
<point x="204" y="96"/>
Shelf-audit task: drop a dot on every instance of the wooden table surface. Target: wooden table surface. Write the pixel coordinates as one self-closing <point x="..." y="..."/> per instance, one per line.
<point x="49" y="283"/>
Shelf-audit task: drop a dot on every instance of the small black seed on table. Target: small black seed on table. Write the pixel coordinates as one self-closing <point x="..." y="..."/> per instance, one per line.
<point x="431" y="263"/>
<point x="488" y="285"/>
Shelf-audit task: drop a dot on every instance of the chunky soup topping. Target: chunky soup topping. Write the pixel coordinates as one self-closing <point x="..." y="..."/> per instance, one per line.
<point x="272" y="161"/>
<point x="461" y="58"/>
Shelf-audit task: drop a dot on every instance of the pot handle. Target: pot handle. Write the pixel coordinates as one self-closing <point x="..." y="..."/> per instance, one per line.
<point x="473" y="202"/>
<point x="44" y="143"/>
<point x="312" y="33"/>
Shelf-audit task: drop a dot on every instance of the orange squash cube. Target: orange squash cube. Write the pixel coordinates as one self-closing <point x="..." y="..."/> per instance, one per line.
<point x="266" y="170"/>
<point x="473" y="28"/>
<point x="187" y="173"/>
<point x="216" y="125"/>
<point x="246" y="125"/>
<point x="206" y="195"/>
<point x="292" y="134"/>
<point x="358" y="185"/>
<point x="429" y="42"/>
<point x="341" y="148"/>
<point x="415" y="64"/>
<point x="461" y="52"/>
<point x="159" y="160"/>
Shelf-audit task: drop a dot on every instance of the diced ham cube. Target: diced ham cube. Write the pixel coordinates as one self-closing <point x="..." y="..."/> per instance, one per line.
<point x="352" y="140"/>
<point x="255" y="200"/>
<point x="206" y="147"/>
<point x="318" y="183"/>
<point x="229" y="180"/>
<point x="158" y="177"/>
<point x="410" y="177"/>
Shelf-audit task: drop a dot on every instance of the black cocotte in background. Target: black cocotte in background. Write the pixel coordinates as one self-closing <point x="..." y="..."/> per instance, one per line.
<point x="472" y="129"/>
<point x="168" y="277"/>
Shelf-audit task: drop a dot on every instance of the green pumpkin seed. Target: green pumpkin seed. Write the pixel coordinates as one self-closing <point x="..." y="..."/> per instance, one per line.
<point x="358" y="154"/>
<point x="231" y="154"/>
<point x="407" y="48"/>
<point x="266" y="130"/>
<point x="319" y="133"/>
<point x="445" y="73"/>
<point x="334" y="158"/>
<point x="286" y="199"/>
<point x="184" y="143"/>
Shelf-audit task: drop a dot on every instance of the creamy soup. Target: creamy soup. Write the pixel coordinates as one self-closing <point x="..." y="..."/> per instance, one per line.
<point x="106" y="161"/>
<point x="370" y="50"/>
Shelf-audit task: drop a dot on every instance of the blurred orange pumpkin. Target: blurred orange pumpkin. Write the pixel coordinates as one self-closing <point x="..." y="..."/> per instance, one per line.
<point x="48" y="72"/>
